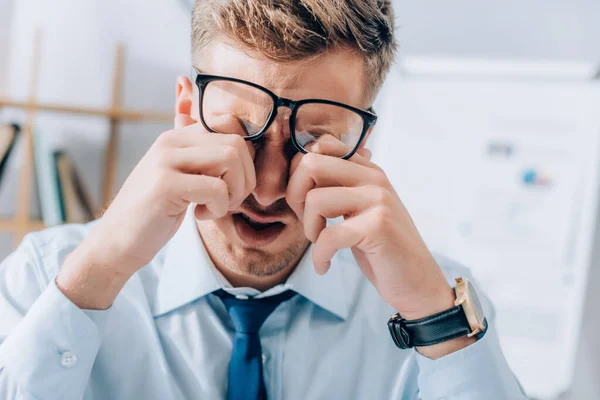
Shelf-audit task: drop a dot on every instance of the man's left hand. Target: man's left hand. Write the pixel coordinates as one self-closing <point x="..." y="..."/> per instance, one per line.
<point x="377" y="227"/>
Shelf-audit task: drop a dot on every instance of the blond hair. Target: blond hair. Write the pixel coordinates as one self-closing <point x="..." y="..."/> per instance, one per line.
<point x="294" y="30"/>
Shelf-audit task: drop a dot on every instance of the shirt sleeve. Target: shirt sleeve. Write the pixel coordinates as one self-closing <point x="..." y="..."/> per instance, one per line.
<point x="47" y="344"/>
<point x="478" y="371"/>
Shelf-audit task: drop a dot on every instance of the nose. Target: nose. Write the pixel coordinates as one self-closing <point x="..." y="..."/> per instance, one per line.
<point x="272" y="163"/>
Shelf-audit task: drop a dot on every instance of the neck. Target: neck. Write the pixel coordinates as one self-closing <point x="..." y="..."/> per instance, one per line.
<point x="261" y="283"/>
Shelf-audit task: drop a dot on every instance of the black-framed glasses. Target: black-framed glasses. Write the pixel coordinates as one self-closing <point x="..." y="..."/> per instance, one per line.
<point x="229" y="105"/>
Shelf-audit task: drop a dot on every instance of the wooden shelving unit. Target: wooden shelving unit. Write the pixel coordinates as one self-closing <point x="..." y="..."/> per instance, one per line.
<point x="22" y="223"/>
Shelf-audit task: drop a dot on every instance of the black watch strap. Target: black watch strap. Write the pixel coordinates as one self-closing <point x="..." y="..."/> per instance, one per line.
<point x="446" y="325"/>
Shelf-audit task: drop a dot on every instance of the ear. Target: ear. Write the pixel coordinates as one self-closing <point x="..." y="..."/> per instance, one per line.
<point x="183" y="103"/>
<point x="363" y="151"/>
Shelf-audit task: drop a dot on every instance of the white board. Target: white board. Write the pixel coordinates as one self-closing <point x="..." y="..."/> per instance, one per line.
<point x="498" y="165"/>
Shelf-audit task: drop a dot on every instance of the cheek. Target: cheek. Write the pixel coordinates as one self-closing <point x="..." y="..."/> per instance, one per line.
<point x="195" y="104"/>
<point x="295" y="232"/>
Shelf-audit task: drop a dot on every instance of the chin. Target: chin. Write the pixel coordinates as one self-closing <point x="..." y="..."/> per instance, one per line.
<point x="236" y="243"/>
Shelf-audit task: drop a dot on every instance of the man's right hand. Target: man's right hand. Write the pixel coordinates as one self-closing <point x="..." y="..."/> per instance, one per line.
<point x="186" y="165"/>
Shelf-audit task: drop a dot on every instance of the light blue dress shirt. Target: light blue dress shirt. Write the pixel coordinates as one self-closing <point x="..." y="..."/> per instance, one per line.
<point x="167" y="337"/>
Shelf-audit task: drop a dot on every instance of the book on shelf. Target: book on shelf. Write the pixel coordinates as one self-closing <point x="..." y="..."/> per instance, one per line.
<point x="62" y="195"/>
<point x="76" y="204"/>
<point x="47" y="181"/>
<point x="9" y="135"/>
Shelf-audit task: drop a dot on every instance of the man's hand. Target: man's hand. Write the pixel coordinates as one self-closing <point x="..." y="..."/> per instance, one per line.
<point x="185" y="165"/>
<point x="377" y="227"/>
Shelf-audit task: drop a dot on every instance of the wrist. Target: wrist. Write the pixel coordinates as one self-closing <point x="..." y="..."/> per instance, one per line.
<point x="423" y="304"/>
<point x="439" y="299"/>
<point x="90" y="278"/>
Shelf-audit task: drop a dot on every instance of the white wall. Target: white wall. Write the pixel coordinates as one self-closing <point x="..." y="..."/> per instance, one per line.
<point x="543" y="29"/>
<point x="531" y="29"/>
<point x="5" y="18"/>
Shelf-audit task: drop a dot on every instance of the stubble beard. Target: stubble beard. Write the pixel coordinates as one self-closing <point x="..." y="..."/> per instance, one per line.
<point x="250" y="261"/>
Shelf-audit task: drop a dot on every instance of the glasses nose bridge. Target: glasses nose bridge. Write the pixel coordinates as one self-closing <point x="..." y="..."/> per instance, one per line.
<point x="286" y="103"/>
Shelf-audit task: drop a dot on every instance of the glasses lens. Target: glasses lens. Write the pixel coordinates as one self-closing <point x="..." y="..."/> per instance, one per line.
<point x="315" y="120"/>
<point x="237" y="108"/>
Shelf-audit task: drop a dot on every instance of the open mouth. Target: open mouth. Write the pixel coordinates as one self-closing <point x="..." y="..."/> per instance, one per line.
<point x="256" y="233"/>
<point x="259" y="226"/>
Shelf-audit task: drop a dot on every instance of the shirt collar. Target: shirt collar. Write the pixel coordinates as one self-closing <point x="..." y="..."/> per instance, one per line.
<point x="188" y="274"/>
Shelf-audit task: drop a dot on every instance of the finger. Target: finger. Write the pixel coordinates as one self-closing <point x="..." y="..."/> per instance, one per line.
<point x="332" y="202"/>
<point x="343" y="235"/>
<point x="222" y="124"/>
<point x="188" y="133"/>
<point x="248" y="153"/>
<point x="316" y="170"/>
<point x="223" y="162"/>
<point x="204" y="190"/>
<point x="365" y="153"/>
<point x="202" y="213"/>
<point x="328" y="145"/>
<point x="183" y="120"/>
<point x="245" y="151"/>
<point x="196" y="136"/>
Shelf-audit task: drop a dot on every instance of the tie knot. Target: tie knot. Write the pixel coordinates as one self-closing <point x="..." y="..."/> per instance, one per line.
<point x="249" y="315"/>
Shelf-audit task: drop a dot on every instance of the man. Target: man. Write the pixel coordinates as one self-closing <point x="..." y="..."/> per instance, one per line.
<point x="215" y="273"/>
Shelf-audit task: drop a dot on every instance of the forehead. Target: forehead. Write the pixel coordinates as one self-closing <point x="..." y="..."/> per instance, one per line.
<point x="337" y="75"/>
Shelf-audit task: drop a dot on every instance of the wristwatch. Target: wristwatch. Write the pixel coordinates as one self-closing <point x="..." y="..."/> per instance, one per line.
<point x="465" y="319"/>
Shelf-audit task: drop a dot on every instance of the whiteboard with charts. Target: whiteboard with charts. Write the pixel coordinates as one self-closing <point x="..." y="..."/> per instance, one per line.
<point x="498" y="164"/>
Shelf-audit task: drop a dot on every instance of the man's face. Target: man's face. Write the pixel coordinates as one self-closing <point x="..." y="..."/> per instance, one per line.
<point x="263" y="237"/>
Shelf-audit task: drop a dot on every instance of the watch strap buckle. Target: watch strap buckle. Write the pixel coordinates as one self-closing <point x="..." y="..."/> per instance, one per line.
<point x="399" y="334"/>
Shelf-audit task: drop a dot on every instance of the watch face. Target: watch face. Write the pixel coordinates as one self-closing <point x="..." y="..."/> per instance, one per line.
<point x="478" y="308"/>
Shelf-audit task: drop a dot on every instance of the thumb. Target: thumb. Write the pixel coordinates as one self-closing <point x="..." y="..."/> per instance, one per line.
<point x="366" y="153"/>
<point x="183" y="120"/>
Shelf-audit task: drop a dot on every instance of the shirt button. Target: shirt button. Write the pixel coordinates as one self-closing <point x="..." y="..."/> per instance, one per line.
<point x="241" y="297"/>
<point x="68" y="359"/>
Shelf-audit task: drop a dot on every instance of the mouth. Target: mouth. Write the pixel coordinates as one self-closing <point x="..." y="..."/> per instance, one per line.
<point x="257" y="230"/>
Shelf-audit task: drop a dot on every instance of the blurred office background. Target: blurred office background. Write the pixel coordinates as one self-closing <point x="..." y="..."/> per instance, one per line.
<point x="550" y="39"/>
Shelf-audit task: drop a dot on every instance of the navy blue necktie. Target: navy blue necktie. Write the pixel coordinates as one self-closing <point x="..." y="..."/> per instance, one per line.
<point x="245" y="368"/>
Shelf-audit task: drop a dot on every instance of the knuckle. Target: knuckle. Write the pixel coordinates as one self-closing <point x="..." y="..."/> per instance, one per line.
<point x="218" y="186"/>
<point x="380" y="218"/>
<point x="230" y="154"/>
<point x="253" y="181"/>
<point x="311" y="199"/>
<point x="378" y="169"/>
<point x="325" y="235"/>
<point x="309" y="161"/>
<point x="380" y="178"/>
<point x="237" y="141"/>
<point x="382" y="195"/>
<point x="289" y="199"/>
<point x="165" y="139"/>
<point x="308" y="234"/>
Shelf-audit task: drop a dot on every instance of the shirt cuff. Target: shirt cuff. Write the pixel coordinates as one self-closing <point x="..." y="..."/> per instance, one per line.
<point x="478" y="371"/>
<point x="53" y="348"/>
